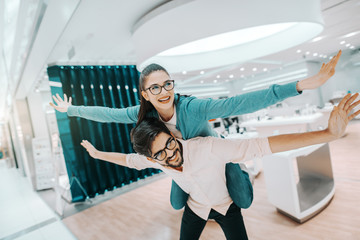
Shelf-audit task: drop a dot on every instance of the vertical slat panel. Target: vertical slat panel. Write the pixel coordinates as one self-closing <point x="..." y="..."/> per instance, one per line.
<point x="109" y="86"/>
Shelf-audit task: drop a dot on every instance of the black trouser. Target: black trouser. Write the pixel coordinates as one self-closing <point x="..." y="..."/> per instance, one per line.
<point x="232" y="224"/>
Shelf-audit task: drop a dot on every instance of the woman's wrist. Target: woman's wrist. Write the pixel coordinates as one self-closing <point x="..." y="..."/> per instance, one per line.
<point x="299" y="86"/>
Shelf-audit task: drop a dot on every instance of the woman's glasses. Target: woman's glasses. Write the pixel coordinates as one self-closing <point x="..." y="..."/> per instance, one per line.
<point x="155" y="89"/>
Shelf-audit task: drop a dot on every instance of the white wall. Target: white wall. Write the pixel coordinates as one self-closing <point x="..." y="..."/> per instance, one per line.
<point x="37" y="109"/>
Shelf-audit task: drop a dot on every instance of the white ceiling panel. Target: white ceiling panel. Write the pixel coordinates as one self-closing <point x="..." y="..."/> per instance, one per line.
<point x="99" y="32"/>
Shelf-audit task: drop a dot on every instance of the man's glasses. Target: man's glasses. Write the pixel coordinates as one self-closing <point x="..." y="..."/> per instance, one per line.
<point x="161" y="155"/>
<point x="155" y="89"/>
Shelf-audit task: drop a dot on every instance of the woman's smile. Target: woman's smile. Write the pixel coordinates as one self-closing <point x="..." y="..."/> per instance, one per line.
<point x="164" y="100"/>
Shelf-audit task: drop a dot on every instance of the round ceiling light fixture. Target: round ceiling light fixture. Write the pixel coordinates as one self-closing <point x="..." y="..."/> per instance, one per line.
<point x="198" y="34"/>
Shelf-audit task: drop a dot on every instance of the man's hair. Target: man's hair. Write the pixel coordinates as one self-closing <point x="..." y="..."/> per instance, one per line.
<point x="143" y="135"/>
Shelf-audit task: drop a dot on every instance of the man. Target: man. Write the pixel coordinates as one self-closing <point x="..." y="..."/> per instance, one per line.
<point x="198" y="165"/>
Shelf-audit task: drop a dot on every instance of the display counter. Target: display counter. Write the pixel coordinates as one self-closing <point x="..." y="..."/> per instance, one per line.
<point x="283" y="125"/>
<point x="300" y="182"/>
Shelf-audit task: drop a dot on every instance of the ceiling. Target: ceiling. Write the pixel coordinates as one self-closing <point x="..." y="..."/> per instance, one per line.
<point x="89" y="32"/>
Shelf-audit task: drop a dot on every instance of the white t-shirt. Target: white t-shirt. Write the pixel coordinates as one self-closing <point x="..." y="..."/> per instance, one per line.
<point x="203" y="175"/>
<point x="171" y="125"/>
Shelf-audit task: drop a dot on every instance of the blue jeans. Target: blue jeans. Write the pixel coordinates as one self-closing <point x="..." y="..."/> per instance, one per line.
<point x="232" y="224"/>
<point x="237" y="182"/>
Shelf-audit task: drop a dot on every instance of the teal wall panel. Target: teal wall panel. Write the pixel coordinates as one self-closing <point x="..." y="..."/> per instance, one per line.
<point x="110" y="86"/>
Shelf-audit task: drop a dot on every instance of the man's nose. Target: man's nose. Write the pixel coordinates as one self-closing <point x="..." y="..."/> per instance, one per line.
<point x="169" y="153"/>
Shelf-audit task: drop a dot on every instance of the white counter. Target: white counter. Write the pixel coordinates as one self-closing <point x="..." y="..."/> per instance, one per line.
<point x="283" y="125"/>
<point x="300" y="182"/>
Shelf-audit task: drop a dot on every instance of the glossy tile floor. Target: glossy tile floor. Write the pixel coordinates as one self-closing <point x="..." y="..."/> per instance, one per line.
<point x="23" y="214"/>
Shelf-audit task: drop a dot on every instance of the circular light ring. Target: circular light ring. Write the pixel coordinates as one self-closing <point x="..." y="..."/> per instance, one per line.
<point x="180" y="22"/>
<point x="226" y="40"/>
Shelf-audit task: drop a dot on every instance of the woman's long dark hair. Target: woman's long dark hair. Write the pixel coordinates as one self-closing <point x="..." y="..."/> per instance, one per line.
<point x="146" y="106"/>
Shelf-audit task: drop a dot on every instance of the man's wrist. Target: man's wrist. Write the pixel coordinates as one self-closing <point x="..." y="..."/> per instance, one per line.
<point x="96" y="154"/>
<point x="329" y="135"/>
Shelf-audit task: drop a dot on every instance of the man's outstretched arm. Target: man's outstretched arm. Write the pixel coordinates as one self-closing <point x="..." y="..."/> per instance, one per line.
<point x="339" y="119"/>
<point x="113" y="157"/>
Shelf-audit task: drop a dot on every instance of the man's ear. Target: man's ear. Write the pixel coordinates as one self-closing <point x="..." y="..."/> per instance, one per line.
<point x="150" y="159"/>
<point x="145" y="95"/>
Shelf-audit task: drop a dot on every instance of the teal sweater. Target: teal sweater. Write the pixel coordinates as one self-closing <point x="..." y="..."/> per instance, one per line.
<point x="193" y="113"/>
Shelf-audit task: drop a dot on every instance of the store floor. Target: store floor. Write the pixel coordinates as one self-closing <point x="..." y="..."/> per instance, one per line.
<point x="144" y="212"/>
<point x="23" y="213"/>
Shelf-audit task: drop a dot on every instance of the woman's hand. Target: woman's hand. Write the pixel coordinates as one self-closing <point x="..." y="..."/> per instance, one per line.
<point x="340" y="117"/>
<point x="326" y="72"/>
<point x="93" y="152"/>
<point x="62" y="105"/>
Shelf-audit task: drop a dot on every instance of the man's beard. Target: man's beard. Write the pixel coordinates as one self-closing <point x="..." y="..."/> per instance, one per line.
<point x="179" y="162"/>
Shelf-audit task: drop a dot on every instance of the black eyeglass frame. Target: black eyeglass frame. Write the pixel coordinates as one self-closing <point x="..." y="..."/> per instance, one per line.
<point x="161" y="87"/>
<point x="164" y="149"/>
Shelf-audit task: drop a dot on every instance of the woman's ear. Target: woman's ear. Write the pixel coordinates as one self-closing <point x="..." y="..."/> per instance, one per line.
<point x="145" y="95"/>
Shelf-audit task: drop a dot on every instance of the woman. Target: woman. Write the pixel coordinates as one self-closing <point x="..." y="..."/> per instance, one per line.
<point x="187" y="117"/>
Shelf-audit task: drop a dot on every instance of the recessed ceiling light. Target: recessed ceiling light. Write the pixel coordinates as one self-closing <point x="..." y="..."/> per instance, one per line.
<point x="298" y="51"/>
<point x="227" y="40"/>
<point x="342" y="42"/>
<point x="242" y="69"/>
<point x="315" y="54"/>
<point x="202" y="81"/>
<point x="218" y="76"/>
<point x="254" y="69"/>
<point x="226" y="80"/>
<point x="184" y="72"/>
<point x="352" y="47"/>
<point x="351" y="34"/>
<point x="242" y="76"/>
<point x="348" y="45"/>
<point x="307" y="53"/>
<point x="202" y="72"/>
<point x="265" y="69"/>
<point x="231" y="76"/>
<point x="317" y="39"/>
<point x="215" y="81"/>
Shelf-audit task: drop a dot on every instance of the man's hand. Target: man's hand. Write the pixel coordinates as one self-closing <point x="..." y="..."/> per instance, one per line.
<point x="326" y="72"/>
<point x="340" y="117"/>
<point x="113" y="157"/>
<point x="62" y="105"/>
<point x="90" y="148"/>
